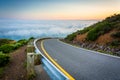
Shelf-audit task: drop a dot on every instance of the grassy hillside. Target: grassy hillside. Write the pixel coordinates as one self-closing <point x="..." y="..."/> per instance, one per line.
<point x="105" y="32"/>
<point x="12" y="59"/>
<point x="6" y="41"/>
<point x="6" y="47"/>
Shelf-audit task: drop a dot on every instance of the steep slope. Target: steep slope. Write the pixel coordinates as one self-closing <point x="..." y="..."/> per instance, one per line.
<point x="105" y="33"/>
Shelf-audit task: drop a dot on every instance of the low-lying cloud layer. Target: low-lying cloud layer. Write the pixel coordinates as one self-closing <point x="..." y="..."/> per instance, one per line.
<point x="24" y="29"/>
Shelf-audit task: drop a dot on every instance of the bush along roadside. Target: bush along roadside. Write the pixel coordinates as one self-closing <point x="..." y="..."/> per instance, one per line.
<point x="4" y="60"/>
<point x="6" y="47"/>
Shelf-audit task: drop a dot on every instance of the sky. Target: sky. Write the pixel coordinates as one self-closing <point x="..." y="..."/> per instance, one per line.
<point x="58" y="9"/>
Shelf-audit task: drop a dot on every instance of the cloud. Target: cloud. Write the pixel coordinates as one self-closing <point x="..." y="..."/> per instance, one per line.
<point x="18" y="30"/>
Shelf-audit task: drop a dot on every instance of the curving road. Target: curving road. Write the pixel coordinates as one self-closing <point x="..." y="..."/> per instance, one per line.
<point x="83" y="64"/>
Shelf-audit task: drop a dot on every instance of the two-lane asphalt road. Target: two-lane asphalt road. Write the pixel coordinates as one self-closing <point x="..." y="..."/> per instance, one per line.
<point x="83" y="64"/>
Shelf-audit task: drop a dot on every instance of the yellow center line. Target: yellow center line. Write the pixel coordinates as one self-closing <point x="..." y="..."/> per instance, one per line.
<point x="55" y="63"/>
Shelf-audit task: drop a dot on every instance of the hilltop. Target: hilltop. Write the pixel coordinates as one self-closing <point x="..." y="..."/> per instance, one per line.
<point x="101" y="36"/>
<point x="6" y="41"/>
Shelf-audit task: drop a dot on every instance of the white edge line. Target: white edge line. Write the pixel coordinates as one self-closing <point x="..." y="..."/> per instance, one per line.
<point x="48" y="60"/>
<point x="90" y="50"/>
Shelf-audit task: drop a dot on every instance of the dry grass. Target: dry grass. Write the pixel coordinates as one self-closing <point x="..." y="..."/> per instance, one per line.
<point x="106" y="38"/>
<point x="102" y="40"/>
<point x="81" y="38"/>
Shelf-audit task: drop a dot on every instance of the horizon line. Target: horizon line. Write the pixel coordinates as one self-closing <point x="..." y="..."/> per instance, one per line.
<point x="48" y="19"/>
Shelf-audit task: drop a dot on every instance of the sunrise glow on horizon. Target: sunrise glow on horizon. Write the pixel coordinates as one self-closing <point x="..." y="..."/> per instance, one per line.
<point x="58" y="9"/>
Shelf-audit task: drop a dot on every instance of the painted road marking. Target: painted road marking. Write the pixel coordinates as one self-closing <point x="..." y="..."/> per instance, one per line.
<point x="55" y="63"/>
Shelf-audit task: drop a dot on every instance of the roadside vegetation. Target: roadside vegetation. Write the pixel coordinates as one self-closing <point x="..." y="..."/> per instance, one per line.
<point x="96" y="30"/>
<point x="6" y="48"/>
<point x="9" y="47"/>
<point x="71" y="37"/>
<point x="105" y="33"/>
<point x="4" y="59"/>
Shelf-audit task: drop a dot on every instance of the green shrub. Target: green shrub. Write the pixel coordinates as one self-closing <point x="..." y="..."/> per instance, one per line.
<point x="99" y="29"/>
<point x="115" y="43"/>
<point x="23" y="41"/>
<point x="117" y="26"/>
<point x="92" y="35"/>
<point x="4" y="59"/>
<point x="113" y="18"/>
<point x="1" y="71"/>
<point x="20" y="43"/>
<point x="116" y="35"/>
<point x="31" y="76"/>
<point x="86" y="29"/>
<point x="17" y="45"/>
<point x="7" y="48"/>
<point x="4" y="41"/>
<point x="31" y="38"/>
<point x="71" y="37"/>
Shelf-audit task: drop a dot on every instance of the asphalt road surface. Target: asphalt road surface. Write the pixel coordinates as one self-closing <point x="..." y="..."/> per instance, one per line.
<point x="83" y="64"/>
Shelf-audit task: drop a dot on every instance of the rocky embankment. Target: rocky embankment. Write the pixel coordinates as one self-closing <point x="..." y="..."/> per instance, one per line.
<point x="96" y="47"/>
<point x="100" y="48"/>
<point x="103" y="36"/>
